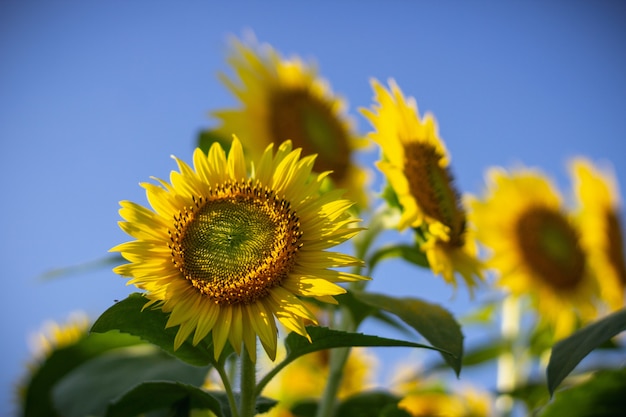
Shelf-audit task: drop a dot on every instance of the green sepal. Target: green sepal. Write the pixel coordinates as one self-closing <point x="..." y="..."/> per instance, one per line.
<point x="128" y="316"/>
<point x="433" y="322"/>
<point x="90" y="388"/>
<point x="567" y="353"/>
<point x="38" y="395"/>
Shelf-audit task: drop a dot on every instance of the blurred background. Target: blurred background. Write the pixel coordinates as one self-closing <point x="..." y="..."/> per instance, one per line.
<point x="95" y="97"/>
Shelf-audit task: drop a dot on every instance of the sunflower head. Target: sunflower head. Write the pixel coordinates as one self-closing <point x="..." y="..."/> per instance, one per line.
<point x="285" y="99"/>
<point x="416" y="165"/>
<point x="535" y="246"/>
<point x="599" y="218"/>
<point x="226" y="252"/>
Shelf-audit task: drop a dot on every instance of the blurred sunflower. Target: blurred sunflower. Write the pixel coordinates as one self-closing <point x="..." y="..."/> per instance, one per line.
<point x="599" y="216"/>
<point x="429" y="398"/>
<point x="52" y="337"/>
<point x="227" y="252"/>
<point x="416" y="164"/>
<point x="284" y="99"/>
<point x="535" y="246"/>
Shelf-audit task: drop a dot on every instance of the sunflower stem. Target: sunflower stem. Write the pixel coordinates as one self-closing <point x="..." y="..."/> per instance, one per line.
<point x="338" y="359"/>
<point x="248" y="386"/>
<point x="219" y="367"/>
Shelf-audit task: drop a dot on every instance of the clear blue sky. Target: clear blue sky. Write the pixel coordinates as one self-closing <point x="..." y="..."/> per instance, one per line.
<point x="95" y="96"/>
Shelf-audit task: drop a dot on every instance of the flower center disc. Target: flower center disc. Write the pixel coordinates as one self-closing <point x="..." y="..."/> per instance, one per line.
<point x="312" y="126"/>
<point x="237" y="244"/>
<point x="432" y="187"/>
<point x="550" y="248"/>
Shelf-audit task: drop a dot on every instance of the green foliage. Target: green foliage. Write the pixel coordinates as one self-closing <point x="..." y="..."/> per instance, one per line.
<point x="433" y="322"/>
<point x="117" y="371"/>
<point x="150" y="396"/>
<point x="409" y="253"/>
<point x="601" y="396"/>
<point x="371" y="404"/>
<point x="567" y="353"/>
<point x="323" y="338"/>
<point x="60" y="363"/>
<point x="128" y="316"/>
<point x="206" y="138"/>
<point x="364" y="404"/>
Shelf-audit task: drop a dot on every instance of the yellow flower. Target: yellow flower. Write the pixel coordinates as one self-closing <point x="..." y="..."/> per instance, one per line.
<point x="599" y="217"/>
<point x="535" y="246"/>
<point x="416" y="164"/>
<point x="284" y="99"/>
<point x="432" y="398"/>
<point x="55" y="336"/>
<point x="226" y="252"/>
<point x="52" y="337"/>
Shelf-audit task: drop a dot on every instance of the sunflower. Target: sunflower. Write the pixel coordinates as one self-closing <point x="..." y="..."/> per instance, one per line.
<point x="598" y="213"/>
<point x="226" y="252"/>
<point x="284" y="99"/>
<point x="536" y="248"/>
<point x="416" y="164"/>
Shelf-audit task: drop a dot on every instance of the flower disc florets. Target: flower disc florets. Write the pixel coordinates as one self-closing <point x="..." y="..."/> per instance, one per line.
<point x="236" y="244"/>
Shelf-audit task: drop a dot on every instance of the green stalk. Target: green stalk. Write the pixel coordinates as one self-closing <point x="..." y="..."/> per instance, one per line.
<point x="219" y="367"/>
<point x="248" y="386"/>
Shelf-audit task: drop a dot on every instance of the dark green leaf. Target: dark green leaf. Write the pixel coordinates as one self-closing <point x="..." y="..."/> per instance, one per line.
<point x="567" y="353"/>
<point x="601" y="396"/>
<point x="324" y="338"/>
<point x="367" y="404"/>
<point x="206" y="138"/>
<point x="433" y="322"/>
<point x="532" y="394"/>
<point x="38" y="396"/>
<point x="304" y="408"/>
<point x="263" y="404"/>
<point x="150" y="396"/>
<point x="127" y="317"/>
<point x="88" y="389"/>
<point x="409" y="253"/>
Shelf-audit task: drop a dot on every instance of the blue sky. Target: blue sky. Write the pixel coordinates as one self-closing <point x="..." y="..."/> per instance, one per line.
<point x="95" y="97"/>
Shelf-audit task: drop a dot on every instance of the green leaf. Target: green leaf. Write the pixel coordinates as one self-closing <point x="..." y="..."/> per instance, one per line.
<point x="38" y="396"/>
<point x="88" y="389"/>
<point x="206" y="138"/>
<point x="435" y="323"/>
<point x="567" y="353"/>
<point x="127" y="316"/>
<point x="323" y="338"/>
<point x="409" y="253"/>
<point x="150" y="396"/>
<point x="367" y="404"/>
<point x="262" y="405"/>
<point x="304" y="408"/>
<point x="600" y="396"/>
